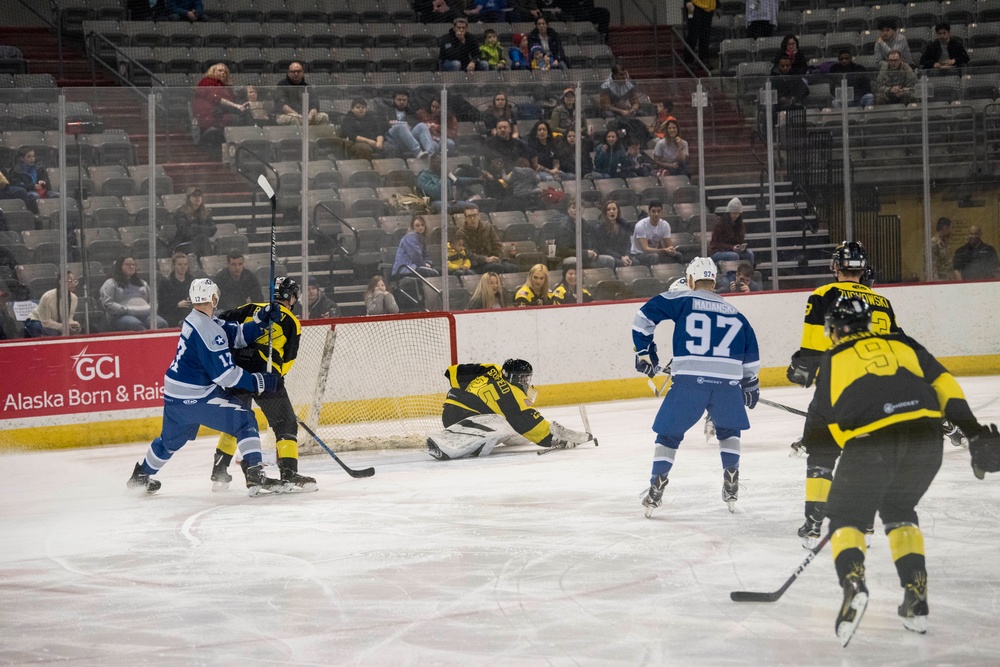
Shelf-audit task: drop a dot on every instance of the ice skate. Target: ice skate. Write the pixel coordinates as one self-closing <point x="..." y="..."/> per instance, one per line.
<point x="914" y="609"/>
<point x="220" y="475"/>
<point x="954" y="434"/>
<point x="289" y="468"/>
<point x="654" y="495"/>
<point x="853" y="607"/>
<point x="810" y="531"/>
<point x="258" y="482"/>
<point x="140" y="480"/>
<point x="798" y="448"/>
<point x="730" y="487"/>
<point x="709" y="429"/>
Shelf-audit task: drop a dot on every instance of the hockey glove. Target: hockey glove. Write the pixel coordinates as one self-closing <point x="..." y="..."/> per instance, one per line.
<point x="269" y="313"/>
<point x="567" y="438"/>
<point x="647" y="360"/>
<point x="751" y="391"/>
<point x="800" y="372"/>
<point x="268" y="382"/>
<point x="985" y="450"/>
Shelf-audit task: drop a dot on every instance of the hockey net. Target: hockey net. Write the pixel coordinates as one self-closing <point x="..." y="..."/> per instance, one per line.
<point x="371" y="382"/>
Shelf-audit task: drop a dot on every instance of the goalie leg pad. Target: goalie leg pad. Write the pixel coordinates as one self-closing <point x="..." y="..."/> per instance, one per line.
<point x="473" y="436"/>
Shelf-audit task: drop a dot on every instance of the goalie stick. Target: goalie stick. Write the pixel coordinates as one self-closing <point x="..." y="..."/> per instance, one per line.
<point x="754" y="596"/>
<point x="586" y="429"/>
<point x="364" y="472"/>
<point x="786" y="408"/>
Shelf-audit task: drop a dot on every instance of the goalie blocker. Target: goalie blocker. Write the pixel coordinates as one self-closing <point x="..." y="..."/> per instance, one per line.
<point x="489" y="405"/>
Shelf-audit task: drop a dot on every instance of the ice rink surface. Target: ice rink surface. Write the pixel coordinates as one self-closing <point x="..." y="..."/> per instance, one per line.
<point x="514" y="559"/>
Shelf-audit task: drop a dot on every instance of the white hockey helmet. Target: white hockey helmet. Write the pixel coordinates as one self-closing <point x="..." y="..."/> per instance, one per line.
<point x="701" y="268"/>
<point x="204" y="290"/>
<point x="679" y="285"/>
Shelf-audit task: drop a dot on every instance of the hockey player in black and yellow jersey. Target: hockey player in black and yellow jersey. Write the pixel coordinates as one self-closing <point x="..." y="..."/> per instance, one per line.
<point x="848" y="265"/>
<point x="880" y="398"/>
<point x="277" y="407"/>
<point x="488" y="405"/>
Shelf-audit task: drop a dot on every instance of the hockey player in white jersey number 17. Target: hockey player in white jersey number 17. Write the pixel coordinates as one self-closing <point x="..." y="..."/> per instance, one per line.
<point x="194" y="389"/>
<point x="714" y="367"/>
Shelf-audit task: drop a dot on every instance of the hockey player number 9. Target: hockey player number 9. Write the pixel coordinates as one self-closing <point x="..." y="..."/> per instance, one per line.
<point x="878" y="352"/>
<point x="699" y="327"/>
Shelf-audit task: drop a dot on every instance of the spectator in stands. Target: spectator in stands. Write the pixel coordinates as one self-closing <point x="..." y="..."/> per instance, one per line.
<point x="428" y="130"/>
<point x="976" y="260"/>
<point x="664" y="114"/>
<point x="459" y="50"/>
<point x="125" y="299"/>
<point x="214" y="105"/>
<point x="378" y="299"/>
<point x="585" y="10"/>
<point x="742" y="281"/>
<point x="505" y="146"/>
<point x="671" y="152"/>
<point x="523" y="11"/>
<point x="857" y="78"/>
<point x="184" y="10"/>
<point x="519" y="54"/>
<point x="172" y="300"/>
<point x="790" y="89"/>
<point x="489" y="294"/>
<point x="790" y="49"/>
<point x="761" y="18"/>
<point x="435" y="11"/>
<point x="237" y="285"/>
<point x="541" y="148"/>
<point x="896" y="81"/>
<point x="535" y="290"/>
<point x="402" y="132"/>
<point x="46" y="318"/>
<point x="609" y="157"/>
<point x="459" y="263"/>
<point x="563" y="117"/>
<point x="728" y="242"/>
<point x="946" y="54"/>
<point x="411" y="254"/>
<point x="258" y="111"/>
<point x="195" y="227"/>
<point x="565" y="291"/>
<point x="550" y="41"/>
<point x="522" y="186"/>
<point x="31" y="176"/>
<point x="8" y="191"/>
<point x="566" y="150"/>
<point x="429" y="183"/>
<point x="612" y="236"/>
<point x="321" y="306"/>
<point x="483" y="244"/>
<point x="941" y="265"/>
<point x="492" y="11"/>
<point x="501" y="109"/>
<point x="698" y="17"/>
<point x="539" y="59"/>
<point x="637" y="163"/>
<point x="491" y="50"/>
<point x="651" y="240"/>
<point x="566" y="240"/>
<point x="618" y="96"/>
<point x="288" y="105"/>
<point x="8" y="325"/>
<point x="890" y="40"/>
<point x="365" y="131"/>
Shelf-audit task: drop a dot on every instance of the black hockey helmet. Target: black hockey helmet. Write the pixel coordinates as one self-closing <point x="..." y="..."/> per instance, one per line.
<point x="285" y="288"/>
<point x="848" y="315"/>
<point x="517" y="372"/>
<point x="849" y="256"/>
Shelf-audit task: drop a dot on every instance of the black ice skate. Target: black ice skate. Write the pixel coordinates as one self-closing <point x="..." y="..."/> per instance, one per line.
<point x="220" y="475"/>
<point x="853" y="607"/>
<point x="730" y="487"/>
<point x="258" y="482"/>
<point x="954" y="434"/>
<point x="809" y="532"/>
<point x="914" y="609"/>
<point x="654" y="495"/>
<point x="140" y="480"/>
<point x="289" y="468"/>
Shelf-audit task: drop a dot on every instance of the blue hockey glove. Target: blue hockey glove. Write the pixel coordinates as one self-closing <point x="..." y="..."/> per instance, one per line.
<point x="646" y="360"/>
<point x="269" y="313"/>
<point x="800" y="372"/>
<point x="985" y="451"/>
<point x="751" y="391"/>
<point x="268" y="382"/>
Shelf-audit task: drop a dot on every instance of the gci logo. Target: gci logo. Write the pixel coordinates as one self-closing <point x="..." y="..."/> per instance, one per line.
<point x="90" y="366"/>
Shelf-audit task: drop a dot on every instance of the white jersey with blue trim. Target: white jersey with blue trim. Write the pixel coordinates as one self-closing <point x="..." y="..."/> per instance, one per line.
<point x="711" y="338"/>
<point x="204" y="360"/>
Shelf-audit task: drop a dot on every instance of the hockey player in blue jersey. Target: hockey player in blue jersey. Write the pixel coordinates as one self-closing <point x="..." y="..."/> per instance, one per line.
<point x="714" y="368"/>
<point x="194" y="390"/>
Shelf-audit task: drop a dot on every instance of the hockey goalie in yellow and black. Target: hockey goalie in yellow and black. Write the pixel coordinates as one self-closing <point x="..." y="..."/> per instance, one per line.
<point x="277" y="407"/>
<point x="489" y="405"/>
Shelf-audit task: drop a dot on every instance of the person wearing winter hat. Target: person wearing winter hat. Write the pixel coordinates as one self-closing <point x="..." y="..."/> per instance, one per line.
<point x="518" y="54"/>
<point x="539" y="59"/>
<point x="320" y="306"/>
<point x="728" y="245"/>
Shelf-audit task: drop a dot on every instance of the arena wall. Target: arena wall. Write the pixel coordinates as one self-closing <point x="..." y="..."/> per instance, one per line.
<point x="580" y="354"/>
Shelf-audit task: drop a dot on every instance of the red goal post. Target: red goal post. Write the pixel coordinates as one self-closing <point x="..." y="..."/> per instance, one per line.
<point x="372" y="382"/>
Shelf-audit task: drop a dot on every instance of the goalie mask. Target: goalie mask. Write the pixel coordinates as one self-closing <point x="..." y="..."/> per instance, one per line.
<point x="285" y="288"/>
<point x="204" y="290"/>
<point x="517" y="372"/>
<point x="848" y="315"/>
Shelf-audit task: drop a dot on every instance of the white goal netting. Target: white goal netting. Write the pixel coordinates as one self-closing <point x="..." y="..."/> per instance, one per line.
<point x="372" y="382"/>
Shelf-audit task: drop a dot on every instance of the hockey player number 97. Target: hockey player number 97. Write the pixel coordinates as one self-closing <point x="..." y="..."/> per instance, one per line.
<point x="699" y="328"/>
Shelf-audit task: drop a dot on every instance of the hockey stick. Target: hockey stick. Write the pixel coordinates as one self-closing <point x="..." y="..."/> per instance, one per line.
<point x="786" y="408"/>
<point x="666" y="383"/>
<point x="586" y="424"/>
<point x="364" y="472"/>
<point x="753" y="596"/>
<point x="269" y="191"/>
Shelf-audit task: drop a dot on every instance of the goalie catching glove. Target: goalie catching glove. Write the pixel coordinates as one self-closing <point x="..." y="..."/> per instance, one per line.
<point x="268" y="382"/>
<point x="647" y="361"/>
<point x="985" y="451"/>
<point x="565" y="438"/>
